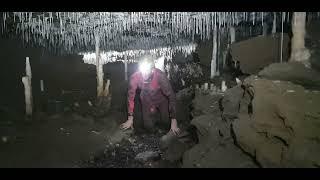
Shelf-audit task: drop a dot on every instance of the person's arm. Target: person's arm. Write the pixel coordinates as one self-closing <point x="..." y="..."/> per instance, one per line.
<point x="167" y="90"/>
<point x="133" y="84"/>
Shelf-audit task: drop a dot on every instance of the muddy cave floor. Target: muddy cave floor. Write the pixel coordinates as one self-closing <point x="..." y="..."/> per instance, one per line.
<point x="75" y="140"/>
<point x="72" y="140"/>
<point x="122" y="155"/>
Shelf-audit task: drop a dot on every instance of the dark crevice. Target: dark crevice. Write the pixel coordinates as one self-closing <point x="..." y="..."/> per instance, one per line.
<point x="282" y="140"/>
<point x="255" y="159"/>
<point x="282" y="155"/>
<point x="248" y="90"/>
<point x="239" y="106"/>
<point x="233" y="135"/>
<point x="220" y="133"/>
<point x="284" y="123"/>
<point x="220" y="104"/>
<point x="193" y="133"/>
<point x="250" y="108"/>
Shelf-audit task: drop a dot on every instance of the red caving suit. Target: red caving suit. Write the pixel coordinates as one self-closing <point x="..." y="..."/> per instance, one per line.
<point x="156" y="96"/>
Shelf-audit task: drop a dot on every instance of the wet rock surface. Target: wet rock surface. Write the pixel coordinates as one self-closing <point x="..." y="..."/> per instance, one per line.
<point x="261" y="123"/>
<point x="230" y="102"/>
<point x="206" y="104"/>
<point x="258" y="52"/>
<point x="216" y="146"/>
<point x="223" y="155"/>
<point x="174" y="147"/>
<point x="294" y="72"/>
<point x="284" y="124"/>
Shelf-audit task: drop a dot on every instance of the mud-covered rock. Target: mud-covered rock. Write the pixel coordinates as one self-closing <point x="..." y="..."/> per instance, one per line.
<point x="274" y="122"/>
<point x="206" y="104"/>
<point x="231" y="101"/>
<point x="216" y="146"/>
<point x="174" y="146"/>
<point x="215" y="139"/>
<point x="258" y="52"/>
<point x="294" y="72"/>
<point x="211" y="129"/>
<point x="284" y="124"/>
<point x="166" y="140"/>
<point x="175" y="150"/>
<point x="185" y="94"/>
<point x="223" y="155"/>
<point x="183" y="104"/>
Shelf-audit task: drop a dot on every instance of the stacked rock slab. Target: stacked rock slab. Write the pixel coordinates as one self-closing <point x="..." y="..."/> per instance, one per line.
<point x="216" y="148"/>
<point x="283" y="129"/>
<point x="274" y="118"/>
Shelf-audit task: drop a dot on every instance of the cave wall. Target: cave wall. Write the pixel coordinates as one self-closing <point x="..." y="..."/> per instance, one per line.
<point x="12" y="69"/>
<point x="70" y="73"/>
<point x="58" y="72"/>
<point x="258" y="52"/>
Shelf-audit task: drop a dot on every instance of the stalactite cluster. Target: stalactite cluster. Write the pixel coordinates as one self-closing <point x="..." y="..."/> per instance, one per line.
<point x="73" y="32"/>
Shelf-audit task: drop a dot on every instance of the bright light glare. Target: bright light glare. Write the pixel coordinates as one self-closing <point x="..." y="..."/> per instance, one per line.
<point x="145" y="68"/>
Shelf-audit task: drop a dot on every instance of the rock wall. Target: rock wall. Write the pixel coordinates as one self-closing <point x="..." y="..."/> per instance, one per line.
<point x="216" y="148"/>
<point x="256" y="53"/>
<point x="283" y="128"/>
<point x="264" y="122"/>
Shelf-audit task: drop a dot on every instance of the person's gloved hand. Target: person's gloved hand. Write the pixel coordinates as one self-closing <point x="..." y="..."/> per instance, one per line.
<point x="128" y="124"/>
<point x="174" y="127"/>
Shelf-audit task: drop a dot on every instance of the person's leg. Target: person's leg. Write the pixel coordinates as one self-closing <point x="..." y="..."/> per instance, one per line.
<point x="138" y="124"/>
<point x="138" y="119"/>
<point x="148" y="116"/>
<point x="165" y="121"/>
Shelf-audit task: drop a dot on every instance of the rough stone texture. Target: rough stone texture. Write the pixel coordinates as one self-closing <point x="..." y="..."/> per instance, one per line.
<point x="230" y="102"/>
<point x="275" y="122"/>
<point x="256" y="53"/>
<point x="211" y="130"/>
<point x="284" y="127"/>
<point x="216" y="146"/>
<point x="206" y="104"/>
<point x="294" y="72"/>
<point x="184" y="101"/>
<point x="146" y="156"/>
<point x="118" y="135"/>
<point x="173" y="146"/>
<point x="166" y="140"/>
<point x="185" y="94"/>
<point x="224" y="155"/>
<point x="175" y="150"/>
